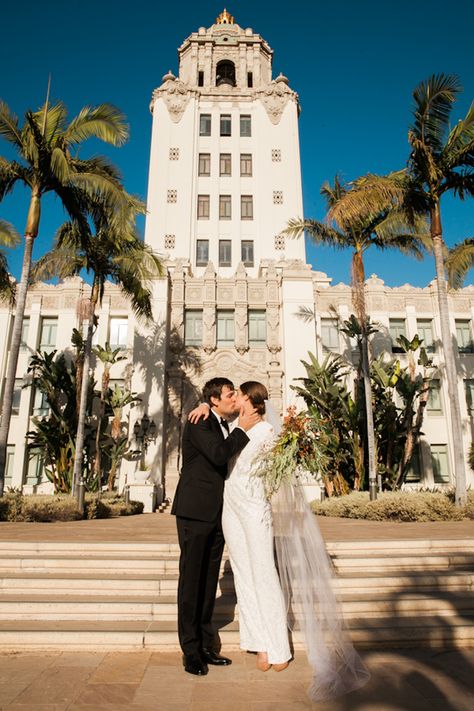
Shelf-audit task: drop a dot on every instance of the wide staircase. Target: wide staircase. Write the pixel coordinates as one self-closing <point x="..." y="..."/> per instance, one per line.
<point x="99" y="596"/>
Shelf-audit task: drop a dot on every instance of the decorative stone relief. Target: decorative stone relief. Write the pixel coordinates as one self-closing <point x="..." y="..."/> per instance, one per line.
<point x="174" y="154"/>
<point x="172" y="196"/>
<point x="170" y="241"/>
<point x="280" y="242"/>
<point x="276" y="155"/>
<point x="278" y="197"/>
<point x="176" y="95"/>
<point x="273" y="335"/>
<point x="209" y="329"/>
<point x="117" y="301"/>
<point x="275" y="97"/>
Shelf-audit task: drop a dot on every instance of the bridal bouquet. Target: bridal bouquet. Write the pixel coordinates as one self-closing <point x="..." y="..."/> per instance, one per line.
<point x="300" y="447"/>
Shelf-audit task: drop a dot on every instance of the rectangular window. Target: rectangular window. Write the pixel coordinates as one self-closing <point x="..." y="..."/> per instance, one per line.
<point x="225" y="253"/>
<point x="257" y="328"/>
<point x="245" y="164"/>
<point x="202" y="252"/>
<point x="245" y="126"/>
<point x="204" y="167"/>
<point x="226" y="125"/>
<point x="203" y="207"/>
<point x="225" y="207"/>
<point x="35" y="471"/>
<point x="246" y="207"/>
<point x="397" y="327"/>
<point x="413" y="475"/>
<point x="49" y="330"/>
<point x="434" y="405"/>
<point x="9" y="465"/>
<point x="469" y="386"/>
<point x="193" y="328"/>
<point x="17" y="397"/>
<point x="424" y="329"/>
<point x="247" y="256"/>
<point x="225" y="328"/>
<point x="440" y="461"/>
<point x="329" y="335"/>
<point x="464" y="337"/>
<point x="225" y="164"/>
<point x="205" y="125"/>
<point x="200" y="78"/>
<point x="40" y="404"/>
<point x="25" y="330"/>
<point x="250" y="80"/>
<point x="118" y="332"/>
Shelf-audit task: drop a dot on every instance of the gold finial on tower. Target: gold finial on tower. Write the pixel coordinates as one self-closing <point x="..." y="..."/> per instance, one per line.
<point x="225" y="18"/>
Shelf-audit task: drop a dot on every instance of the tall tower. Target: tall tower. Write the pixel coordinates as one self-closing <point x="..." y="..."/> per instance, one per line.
<point x="224" y="181"/>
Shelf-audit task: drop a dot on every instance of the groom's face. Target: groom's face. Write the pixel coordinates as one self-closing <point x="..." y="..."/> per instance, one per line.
<point x="226" y="406"/>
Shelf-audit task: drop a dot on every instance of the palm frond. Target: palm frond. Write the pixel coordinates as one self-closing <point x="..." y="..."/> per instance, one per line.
<point x="53" y="123"/>
<point x="7" y="283"/>
<point x="333" y="193"/>
<point x="9" y="237"/>
<point x="459" y="149"/>
<point x="10" y="172"/>
<point x="100" y="187"/>
<point x="9" y="128"/>
<point x="60" y="165"/>
<point x="460" y="183"/>
<point x="458" y="262"/>
<point x="433" y="103"/>
<point x="60" y="262"/>
<point x="318" y="232"/>
<point x="368" y="196"/>
<point x="105" y="122"/>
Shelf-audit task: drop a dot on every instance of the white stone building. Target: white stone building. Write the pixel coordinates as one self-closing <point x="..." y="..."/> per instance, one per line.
<point x="224" y="180"/>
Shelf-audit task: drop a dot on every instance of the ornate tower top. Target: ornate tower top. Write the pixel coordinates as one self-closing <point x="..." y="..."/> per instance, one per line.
<point x="225" y="18"/>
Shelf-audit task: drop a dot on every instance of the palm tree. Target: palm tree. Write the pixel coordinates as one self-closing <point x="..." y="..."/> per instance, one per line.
<point x="113" y="251"/>
<point x="8" y="238"/>
<point x="47" y="147"/>
<point x="441" y="161"/>
<point x="386" y="228"/>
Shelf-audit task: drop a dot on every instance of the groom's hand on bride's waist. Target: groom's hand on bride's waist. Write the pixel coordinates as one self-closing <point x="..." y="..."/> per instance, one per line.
<point x="201" y="411"/>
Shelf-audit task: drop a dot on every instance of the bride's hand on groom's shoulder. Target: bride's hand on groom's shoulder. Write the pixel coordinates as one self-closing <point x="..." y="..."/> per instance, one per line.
<point x="201" y="411"/>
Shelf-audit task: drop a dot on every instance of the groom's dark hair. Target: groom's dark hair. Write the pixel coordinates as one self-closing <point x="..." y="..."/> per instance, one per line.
<point x="213" y="388"/>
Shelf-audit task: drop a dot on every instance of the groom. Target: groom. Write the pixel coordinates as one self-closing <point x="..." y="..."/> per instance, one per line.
<point x="207" y="447"/>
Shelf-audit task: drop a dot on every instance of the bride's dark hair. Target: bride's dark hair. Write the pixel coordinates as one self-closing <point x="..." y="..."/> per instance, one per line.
<point x="257" y="394"/>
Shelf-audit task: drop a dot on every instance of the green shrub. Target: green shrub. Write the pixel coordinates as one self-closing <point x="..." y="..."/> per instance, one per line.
<point x="16" y="507"/>
<point x="395" y="506"/>
<point x="49" y="508"/>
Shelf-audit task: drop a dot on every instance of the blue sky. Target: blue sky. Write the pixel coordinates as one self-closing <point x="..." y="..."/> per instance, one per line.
<point x="354" y="65"/>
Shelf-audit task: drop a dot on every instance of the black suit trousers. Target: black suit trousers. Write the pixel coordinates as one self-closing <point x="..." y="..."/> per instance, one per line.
<point x="201" y="544"/>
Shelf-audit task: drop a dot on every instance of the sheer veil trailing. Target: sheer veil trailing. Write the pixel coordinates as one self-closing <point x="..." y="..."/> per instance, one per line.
<point x="306" y="577"/>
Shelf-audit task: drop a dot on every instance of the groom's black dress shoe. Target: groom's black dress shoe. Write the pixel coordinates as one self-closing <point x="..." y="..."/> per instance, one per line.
<point x="210" y="657"/>
<point x="193" y="664"/>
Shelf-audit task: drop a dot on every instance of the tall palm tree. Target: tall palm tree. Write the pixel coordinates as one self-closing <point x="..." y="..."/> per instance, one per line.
<point x="112" y="251"/>
<point x="46" y="146"/>
<point x="386" y="228"/>
<point x="441" y="161"/>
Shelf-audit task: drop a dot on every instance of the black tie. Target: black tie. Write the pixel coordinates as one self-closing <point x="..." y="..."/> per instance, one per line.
<point x="225" y="425"/>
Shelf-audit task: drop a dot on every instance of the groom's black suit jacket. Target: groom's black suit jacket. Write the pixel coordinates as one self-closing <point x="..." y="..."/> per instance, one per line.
<point x="206" y="454"/>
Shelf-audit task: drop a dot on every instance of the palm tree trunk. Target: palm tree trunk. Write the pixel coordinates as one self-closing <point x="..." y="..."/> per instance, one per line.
<point x="447" y="339"/>
<point x="98" y="457"/>
<point x="358" y="290"/>
<point x="81" y="422"/>
<point x="32" y="226"/>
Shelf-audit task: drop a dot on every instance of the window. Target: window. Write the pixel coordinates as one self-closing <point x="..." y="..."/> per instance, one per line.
<point x="193" y="328"/>
<point x="245" y="126"/>
<point x="203" y="207"/>
<point x="16" y="397"/>
<point x="49" y="329"/>
<point x="464" y="337"/>
<point x="250" y="80"/>
<point x="225" y="207"/>
<point x="329" y="335"/>
<point x="225" y="73"/>
<point x="35" y="471"/>
<point x="225" y="164"/>
<point x="40" y="404"/>
<point x="225" y="328"/>
<point x="434" y="405"/>
<point x="469" y="386"/>
<point x="424" y="328"/>
<point x="9" y="465"/>
<point x="226" y="125"/>
<point x="118" y="332"/>
<point x="245" y="164"/>
<point x="247" y="252"/>
<point x="200" y="78"/>
<point x="397" y="327"/>
<point x="225" y="253"/>
<point x="204" y="164"/>
<point x="205" y="125"/>
<point x="202" y="252"/>
<point x="257" y="328"/>
<point x="25" y="329"/>
<point x="413" y="475"/>
<point x="440" y="461"/>
<point x="246" y="207"/>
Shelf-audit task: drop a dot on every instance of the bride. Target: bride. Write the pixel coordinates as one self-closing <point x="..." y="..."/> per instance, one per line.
<point x="302" y="590"/>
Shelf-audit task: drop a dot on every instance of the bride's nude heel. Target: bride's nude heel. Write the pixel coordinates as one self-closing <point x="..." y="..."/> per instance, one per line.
<point x="280" y="667"/>
<point x="262" y="661"/>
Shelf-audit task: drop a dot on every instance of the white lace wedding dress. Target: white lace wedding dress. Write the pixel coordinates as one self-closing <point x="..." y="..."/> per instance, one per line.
<point x="248" y="531"/>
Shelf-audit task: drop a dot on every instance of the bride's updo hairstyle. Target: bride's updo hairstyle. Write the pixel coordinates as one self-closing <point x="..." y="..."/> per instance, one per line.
<point x="257" y="394"/>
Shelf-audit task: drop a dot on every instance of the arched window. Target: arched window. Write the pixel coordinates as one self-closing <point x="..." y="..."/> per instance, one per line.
<point x="225" y="73"/>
